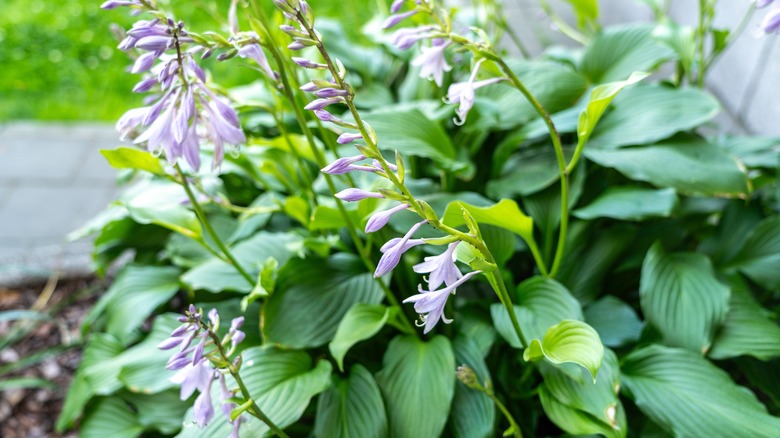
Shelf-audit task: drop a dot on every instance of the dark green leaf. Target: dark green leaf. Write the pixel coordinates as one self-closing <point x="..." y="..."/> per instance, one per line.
<point x="351" y="407"/>
<point x="621" y="50"/>
<point x="615" y="321"/>
<point x="630" y="203"/>
<point x="759" y="258"/>
<point x="162" y="411"/>
<point x="110" y="417"/>
<point x="473" y="413"/>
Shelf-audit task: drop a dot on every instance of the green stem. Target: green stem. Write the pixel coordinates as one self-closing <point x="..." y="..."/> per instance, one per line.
<point x="562" y="170"/>
<point x="209" y="229"/>
<point x="254" y="408"/>
<point x="307" y="181"/>
<point x="562" y="25"/>
<point x="497" y="282"/>
<point x="508" y="415"/>
<point x="702" y="34"/>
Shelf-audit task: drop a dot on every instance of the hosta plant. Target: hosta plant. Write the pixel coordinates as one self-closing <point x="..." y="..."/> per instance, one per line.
<point x="415" y="233"/>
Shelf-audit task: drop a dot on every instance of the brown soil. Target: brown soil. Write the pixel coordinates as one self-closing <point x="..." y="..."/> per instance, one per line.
<point x="32" y="412"/>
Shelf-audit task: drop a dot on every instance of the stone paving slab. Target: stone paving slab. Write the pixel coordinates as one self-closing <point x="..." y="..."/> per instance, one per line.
<point x="52" y="181"/>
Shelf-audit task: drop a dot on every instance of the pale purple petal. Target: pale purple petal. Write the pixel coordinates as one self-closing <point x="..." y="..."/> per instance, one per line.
<point x="411" y="243"/>
<point x="397" y="18"/>
<point x="380" y="219"/>
<point x="392" y="257"/>
<point x="431" y="303"/>
<point x="319" y="104"/>
<point x="347" y="138"/>
<point x="352" y="195"/>
<point x="396" y="6"/>
<point x="341" y="165"/>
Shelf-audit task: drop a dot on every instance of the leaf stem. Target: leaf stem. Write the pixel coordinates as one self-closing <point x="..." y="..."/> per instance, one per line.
<point x="517" y="433"/>
<point x="209" y="229"/>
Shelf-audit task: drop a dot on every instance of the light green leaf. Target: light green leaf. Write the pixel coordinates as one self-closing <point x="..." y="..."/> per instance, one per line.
<point x="569" y="341"/>
<point x="282" y="383"/>
<point x="299" y="143"/>
<point x="266" y="283"/>
<point x="131" y="158"/>
<point x="110" y="417"/>
<point x="619" y="51"/>
<point x="615" y="321"/>
<point x="505" y="214"/>
<point x="682" y="298"/>
<point x="688" y="396"/>
<point x="215" y="275"/>
<point x="542" y="303"/>
<point x="418" y="383"/>
<point x="361" y="322"/>
<point x="600" y="98"/>
<point x="749" y="329"/>
<point x="473" y="413"/>
<point x="681" y="39"/>
<point x="140" y="288"/>
<point x="312" y="296"/>
<point x="759" y="258"/>
<point x="351" y="407"/>
<point x="298" y="209"/>
<point x="648" y="113"/>
<point x="691" y="166"/>
<point x="581" y="406"/>
<point x="329" y="218"/>
<point x="630" y="203"/>
<point x="174" y="217"/>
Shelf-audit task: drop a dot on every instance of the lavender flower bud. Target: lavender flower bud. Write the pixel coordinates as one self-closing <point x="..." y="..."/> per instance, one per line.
<point x="396" y="6"/>
<point x="305" y="63"/>
<point x="380" y="219"/>
<point x="198" y="355"/>
<point x="319" y="104"/>
<point x="392" y="257"/>
<point x="236" y="339"/>
<point x="341" y="165"/>
<point x="326" y="116"/>
<point x="154" y="43"/>
<point x="145" y="85"/>
<point x="236" y="323"/>
<point x="330" y="92"/>
<point x="309" y="87"/>
<point x="181" y="330"/>
<point x="296" y="45"/>
<point x="178" y="363"/>
<point x="170" y="343"/>
<point x="144" y="62"/>
<point x="352" y="195"/>
<point x="347" y="138"/>
<point x="397" y="18"/>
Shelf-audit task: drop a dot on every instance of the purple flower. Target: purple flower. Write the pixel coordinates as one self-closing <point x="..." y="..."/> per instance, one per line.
<point x="771" y="22"/>
<point x="442" y="268"/>
<point x="254" y="52"/>
<point x="396" y="6"/>
<point x="326" y="116"/>
<point x="305" y="63"/>
<point x="115" y="4"/>
<point x="330" y="92"/>
<point x="342" y="165"/>
<point x="154" y="43"/>
<point x="351" y="195"/>
<point x="203" y="410"/>
<point x="763" y="3"/>
<point x="347" y="138"/>
<point x="432" y="62"/>
<point x="408" y="244"/>
<point x="407" y="37"/>
<point x="193" y="377"/>
<point x="392" y="256"/>
<point x="380" y="219"/>
<point x="462" y="93"/>
<point x="144" y="62"/>
<point x="130" y="120"/>
<point x="319" y="104"/>
<point x="430" y="304"/>
<point x="309" y="87"/>
<point x="397" y="18"/>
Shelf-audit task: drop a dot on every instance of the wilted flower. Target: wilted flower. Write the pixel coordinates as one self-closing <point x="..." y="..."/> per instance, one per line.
<point x="430" y="303"/>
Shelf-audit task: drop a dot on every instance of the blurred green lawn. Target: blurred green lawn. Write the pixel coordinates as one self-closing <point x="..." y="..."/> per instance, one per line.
<point x="60" y="62"/>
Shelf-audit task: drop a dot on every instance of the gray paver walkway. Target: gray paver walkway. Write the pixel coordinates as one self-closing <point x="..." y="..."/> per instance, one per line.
<point x="52" y="180"/>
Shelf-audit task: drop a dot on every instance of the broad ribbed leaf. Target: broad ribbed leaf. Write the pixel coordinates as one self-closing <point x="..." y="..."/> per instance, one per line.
<point x="418" y="383"/>
<point x="215" y="275"/>
<point x="473" y="413"/>
<point x="528" y="171"/>
<point x="759" y="259"/>
<point x="621" y="50"/>
<point x="582" y="406"/>
<point x="691" y="166"/>
<point x="681" y="297"/>
<point x="132" y="158"/>
<point x="648" y="113"/>
<point x="351" y="408"/>
<point x="361" y="322"/>
<point x="569" y="341"/>
<point x="140" y="288"/>
<point x="630" y="203"/>
<point x="311" y="297"/>
<point x="615" y="321"/>
<point x="749" y="329"/>
<point x="282" y="382"/>
<point x="688" y="396"/>
<point x="542" y="303"/>
<point x="162" y="412"/>
<point x="110" y="417"/>
<point x="504" y="214"/>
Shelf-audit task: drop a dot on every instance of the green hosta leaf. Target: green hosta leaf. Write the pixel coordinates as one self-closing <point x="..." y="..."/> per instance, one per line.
<point x="312" y="296"/>
<point x="615" y="321"/>
<point x="569" y="341"/>
<point x="582" y="406"/>
<point x="688" y="396"/>
<point x="299" y="143"/>
<point x="418" y="383"/>
<point x="215" y="275"/>
<point x="282" y="383"/>
<point x="681" y="297"/>
<point x="140" y="288"/>
<point x="351" y="407"/>
<point x="749" y="328"/>
<point x="621" y="50"/>
<point x="110" y="417"/>
<point x="759" y="258"/>
<point x="691" y="166"/>
<point x="131" y="158"/>
<point x="162" y="412"/>
<point x="542" y="303"/>
<point x="298" y="209"/>
<point x="630" y="203"/>
<point x="473" y="413"/>
<point x="529" y="171"/>
<point x="361" y="322"/>
<point x="505" y="214"/>
<point x="600" y="98"/>
<point x="174" y="217"/>
<point x="648" y="113"/>
<point x="587" y="11"/>
<point x="329" y="218"/>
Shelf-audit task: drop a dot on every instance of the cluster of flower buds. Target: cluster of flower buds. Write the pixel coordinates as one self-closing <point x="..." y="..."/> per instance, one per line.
<point x="441" y="269"/>
<point x="771" y="21"/>
<point x="195" y="370"/>
<point x="432" y="60"/>
<point x="183" y="111"/>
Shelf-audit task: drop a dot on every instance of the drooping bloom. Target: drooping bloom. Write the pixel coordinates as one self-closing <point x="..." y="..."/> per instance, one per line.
<point x="392" y="256"/>
<point x="442" y="268"/>
<point x="432" y="62"/>
<point x="430" y="303"/>
<point x="462" y="93"/>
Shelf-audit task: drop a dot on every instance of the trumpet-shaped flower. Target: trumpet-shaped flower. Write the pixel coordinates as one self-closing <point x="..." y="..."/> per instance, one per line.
<point x="432" y="62"/>
<point x="392" y="256"/>
<point x="462" y="93"/>
<point x="442" y="268"/>
<point x="430" y="303"/>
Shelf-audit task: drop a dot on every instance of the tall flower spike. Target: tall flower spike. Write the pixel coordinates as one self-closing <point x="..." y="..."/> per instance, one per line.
<point x="442" y="268"/>
<point x="392" y="256"/>
<point x="430" y="304"/>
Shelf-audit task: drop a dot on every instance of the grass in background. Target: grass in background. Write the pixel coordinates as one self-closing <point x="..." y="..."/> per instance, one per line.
<point x="60" y="62"/>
